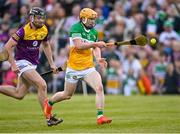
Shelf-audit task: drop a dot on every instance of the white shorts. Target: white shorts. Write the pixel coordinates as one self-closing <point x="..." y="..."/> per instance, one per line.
<point x="24" y="65"/>
<point x="73" y="76"/>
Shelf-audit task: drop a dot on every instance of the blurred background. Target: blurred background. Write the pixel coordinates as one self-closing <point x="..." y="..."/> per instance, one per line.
<point x="131" y="69"/>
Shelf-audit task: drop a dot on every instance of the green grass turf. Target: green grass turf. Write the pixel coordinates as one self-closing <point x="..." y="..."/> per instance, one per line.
<point x="130" y="114"/>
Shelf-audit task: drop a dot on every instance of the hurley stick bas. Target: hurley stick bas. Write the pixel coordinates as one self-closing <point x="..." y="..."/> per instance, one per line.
<point x="3" y="54"/>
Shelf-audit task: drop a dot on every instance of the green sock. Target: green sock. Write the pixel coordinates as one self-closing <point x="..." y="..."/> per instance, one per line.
<point x="99" y="113"/>
<point x="50" y="103"/>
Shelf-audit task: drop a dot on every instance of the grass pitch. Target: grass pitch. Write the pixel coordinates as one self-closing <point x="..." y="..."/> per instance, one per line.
<point x="135" y="114"/>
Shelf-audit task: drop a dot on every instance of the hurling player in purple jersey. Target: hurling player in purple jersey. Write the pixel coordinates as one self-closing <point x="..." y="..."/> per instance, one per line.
<point x="27" y="41"/>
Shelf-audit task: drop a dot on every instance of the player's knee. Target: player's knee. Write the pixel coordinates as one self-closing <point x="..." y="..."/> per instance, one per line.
<point x="19" y="95"/>
<point x="99" y="89"/>
<point x="42" y="86"/>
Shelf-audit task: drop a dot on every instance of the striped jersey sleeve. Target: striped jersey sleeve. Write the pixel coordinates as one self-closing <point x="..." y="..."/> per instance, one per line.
<point x="18" y="35"/>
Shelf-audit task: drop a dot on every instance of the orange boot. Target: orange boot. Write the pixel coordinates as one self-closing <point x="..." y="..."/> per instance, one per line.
<point x="103" y="120"/>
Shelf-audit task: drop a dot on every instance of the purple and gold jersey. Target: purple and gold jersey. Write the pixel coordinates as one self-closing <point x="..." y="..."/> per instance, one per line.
<point x="28" y="42"/>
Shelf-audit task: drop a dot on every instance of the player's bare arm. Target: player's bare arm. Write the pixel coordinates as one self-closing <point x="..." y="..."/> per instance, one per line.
<point x="79" y="44"/>
<point x="48" y="53"/>
<point x="9" y="48"/>
<point x="97" y="54"/>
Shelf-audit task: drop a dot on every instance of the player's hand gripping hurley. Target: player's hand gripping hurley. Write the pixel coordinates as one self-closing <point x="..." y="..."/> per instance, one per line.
<point x="62" y="68"/>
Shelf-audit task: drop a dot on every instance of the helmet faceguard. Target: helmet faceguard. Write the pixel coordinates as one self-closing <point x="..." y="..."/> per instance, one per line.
<point x="38" y="16"/>
<point x="88" y="17"/>
<point x="88" y="23"/>
<point x="37" y="11"/>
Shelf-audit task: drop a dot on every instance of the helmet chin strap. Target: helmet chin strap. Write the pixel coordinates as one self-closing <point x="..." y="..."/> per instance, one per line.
<point x="32" y="21"/>
<point x="84" y="20"/>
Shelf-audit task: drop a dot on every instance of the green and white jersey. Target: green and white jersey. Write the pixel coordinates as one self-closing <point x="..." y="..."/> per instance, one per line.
<point x="79" y="31"/>
<point x="81" y="59"/>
